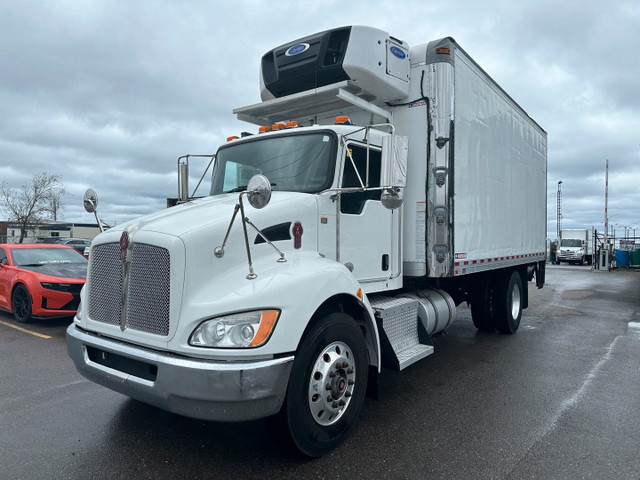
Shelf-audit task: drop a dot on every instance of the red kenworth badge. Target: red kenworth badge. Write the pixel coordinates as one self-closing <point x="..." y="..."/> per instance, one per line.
<point x="297" y="235"/>
<point x="124" y="245"/>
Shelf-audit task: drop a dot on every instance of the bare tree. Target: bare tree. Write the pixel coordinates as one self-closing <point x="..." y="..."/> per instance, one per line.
<point x="37" y="201"/>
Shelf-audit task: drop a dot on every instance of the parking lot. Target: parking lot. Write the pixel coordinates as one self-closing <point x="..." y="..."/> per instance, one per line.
<point x="559" y="399"/>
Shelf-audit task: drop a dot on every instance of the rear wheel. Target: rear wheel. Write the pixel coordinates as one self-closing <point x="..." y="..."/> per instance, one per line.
<point x="481" y="305"/>
<point x="327" y="385"/>
<point x="508" y="302"/>
<point x="21" y="304"/>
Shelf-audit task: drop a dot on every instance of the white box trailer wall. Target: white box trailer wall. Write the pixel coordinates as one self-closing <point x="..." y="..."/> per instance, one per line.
<point x="484" y="164"/>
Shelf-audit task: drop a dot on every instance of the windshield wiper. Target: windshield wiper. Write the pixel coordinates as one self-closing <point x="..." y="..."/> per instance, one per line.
<point x="31" y="264"/>
<point x="241" y="188"/>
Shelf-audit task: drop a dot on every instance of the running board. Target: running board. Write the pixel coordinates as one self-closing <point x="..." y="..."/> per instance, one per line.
<point x="404" y="339"/>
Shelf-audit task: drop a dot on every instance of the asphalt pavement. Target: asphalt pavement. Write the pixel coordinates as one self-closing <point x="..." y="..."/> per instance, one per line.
<point x="559" y="399"/>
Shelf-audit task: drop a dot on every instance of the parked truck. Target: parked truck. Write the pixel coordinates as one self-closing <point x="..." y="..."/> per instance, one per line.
<point x="386" y="185"/>
<point x="576" y="246"/>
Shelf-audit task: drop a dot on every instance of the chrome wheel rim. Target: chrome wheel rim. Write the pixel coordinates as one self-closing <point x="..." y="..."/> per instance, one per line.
<point x="331" y="384"/>
<point x="515" y="302"/>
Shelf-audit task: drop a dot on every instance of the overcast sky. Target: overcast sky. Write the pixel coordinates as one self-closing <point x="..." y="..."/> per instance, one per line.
<point x="108" y="94"/>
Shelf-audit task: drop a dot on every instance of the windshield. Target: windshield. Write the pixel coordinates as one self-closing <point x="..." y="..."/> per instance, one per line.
<point x="297" y="162"/>
<point x="570" y="242"/>
<point x="43" y="256"/>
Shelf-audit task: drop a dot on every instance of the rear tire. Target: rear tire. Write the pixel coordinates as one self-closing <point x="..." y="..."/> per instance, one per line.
<point x="327" y="386"/>
<point x="508" y="302"/>
<point x="482" y="305"/>
<point x="21" y="304"/>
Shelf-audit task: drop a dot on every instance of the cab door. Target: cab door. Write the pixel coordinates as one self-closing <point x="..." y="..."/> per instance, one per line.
<point x="365" y="227"/>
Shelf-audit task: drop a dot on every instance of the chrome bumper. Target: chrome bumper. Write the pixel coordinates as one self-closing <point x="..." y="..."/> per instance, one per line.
<point x="197" y="388"/>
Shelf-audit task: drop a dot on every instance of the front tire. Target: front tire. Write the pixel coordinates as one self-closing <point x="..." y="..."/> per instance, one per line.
<point x="327" y="385"/>
<point x="508" y="303"/>
<point x="21" y="304"/>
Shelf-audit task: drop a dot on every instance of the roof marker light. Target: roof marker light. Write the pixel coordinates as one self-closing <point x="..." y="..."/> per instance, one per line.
<point x="277" y="126"/>
<point x="291" y="124"/>
<point x="264" y="129"/>
<point x="233" y="137"/>
<point x="443" y="51"/>
<point x="343" y="120"/>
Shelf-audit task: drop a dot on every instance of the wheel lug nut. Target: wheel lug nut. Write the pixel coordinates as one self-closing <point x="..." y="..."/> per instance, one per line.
<point x="350" y="370"/>
<point x="342" y="403"/>
<point x="335" y="405"/>
<point x="328" y="386"/>
<point x="332" y="374"/>
<point x="345" y="364"/>
<point x="329" y="398"/>
<point x="351" y="382"/>
<point x="347" y="394"/>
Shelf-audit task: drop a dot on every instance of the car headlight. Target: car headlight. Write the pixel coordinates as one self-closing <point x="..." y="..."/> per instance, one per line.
<point x="240" y="330"/>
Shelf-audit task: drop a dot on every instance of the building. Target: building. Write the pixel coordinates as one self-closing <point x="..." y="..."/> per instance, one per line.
<point x="46" y="230"/>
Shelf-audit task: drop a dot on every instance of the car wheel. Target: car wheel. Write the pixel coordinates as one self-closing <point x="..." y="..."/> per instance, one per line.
<point x="21" y="304"/>
<point x="327" y="385"/>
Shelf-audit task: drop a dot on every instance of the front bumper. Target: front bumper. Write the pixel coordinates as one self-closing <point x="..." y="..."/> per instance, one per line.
<point x="197" y="388"/>
<point x="570" y="257"/>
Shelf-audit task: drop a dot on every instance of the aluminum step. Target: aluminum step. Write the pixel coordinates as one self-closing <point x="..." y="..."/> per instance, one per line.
<point x="404" y="340"/>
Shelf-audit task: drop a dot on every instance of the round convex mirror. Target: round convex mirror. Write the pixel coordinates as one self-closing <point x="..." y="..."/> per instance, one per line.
<point x="259" y="191"/>
<point x="90" y="200"/>
<point x="391" y="198"/>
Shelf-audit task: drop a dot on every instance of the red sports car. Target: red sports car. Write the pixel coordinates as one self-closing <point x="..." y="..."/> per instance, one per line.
<point x="39" y="280"/>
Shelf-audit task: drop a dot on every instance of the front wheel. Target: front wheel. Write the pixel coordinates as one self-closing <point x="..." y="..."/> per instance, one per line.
<point x="327" y="385"/>
<point x="21" y="304"/>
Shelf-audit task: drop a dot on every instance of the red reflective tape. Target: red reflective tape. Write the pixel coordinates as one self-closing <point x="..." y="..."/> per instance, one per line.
<point x="457" y="264"/>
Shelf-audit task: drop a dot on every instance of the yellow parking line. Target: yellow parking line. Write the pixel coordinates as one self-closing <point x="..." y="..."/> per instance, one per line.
<point x="31" y="332"/>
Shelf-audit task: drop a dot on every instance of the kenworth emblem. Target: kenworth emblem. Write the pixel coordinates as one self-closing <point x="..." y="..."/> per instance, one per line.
<point x="297" y="235"/>
<point x="296" y="49"/>
<point x="124" y="246"/>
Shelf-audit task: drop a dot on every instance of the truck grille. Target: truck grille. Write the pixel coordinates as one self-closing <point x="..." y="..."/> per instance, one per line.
<point x="148" y="290"/>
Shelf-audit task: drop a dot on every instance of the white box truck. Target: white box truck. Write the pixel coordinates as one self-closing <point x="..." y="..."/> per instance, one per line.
<point x="576" y="246"/>
<point x="386" y="185"/>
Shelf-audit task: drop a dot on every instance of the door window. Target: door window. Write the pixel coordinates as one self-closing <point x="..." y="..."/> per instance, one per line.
<point x="353" y="202"/>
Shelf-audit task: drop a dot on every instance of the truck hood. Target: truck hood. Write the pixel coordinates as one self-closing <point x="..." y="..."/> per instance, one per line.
<point x="208" y="212"/>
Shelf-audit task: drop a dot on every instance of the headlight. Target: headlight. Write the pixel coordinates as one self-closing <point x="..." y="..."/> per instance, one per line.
<point x="241" y="330"/>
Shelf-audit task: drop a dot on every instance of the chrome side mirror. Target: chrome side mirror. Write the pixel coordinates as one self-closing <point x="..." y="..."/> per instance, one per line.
<point x="259" y="191"/>
<point x="90" y="200"/>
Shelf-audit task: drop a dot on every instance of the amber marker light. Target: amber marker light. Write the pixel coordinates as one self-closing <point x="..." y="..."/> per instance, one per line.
<point x="443" y="51"/>
<point x="277" y="126"/>
<point x="291" y="124"/>
<point x="267" y="322"/>
<point x="233" y="137"/>
<point x="359" y="294"/>
<point x="342" y="120"/>
<point x="264" y="129"/>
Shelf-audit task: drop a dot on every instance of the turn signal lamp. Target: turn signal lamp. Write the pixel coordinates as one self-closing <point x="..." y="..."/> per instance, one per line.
<point x="233" y="137"/>
<point x="443" y="51"/>
<point x="264" y="129"/>
<point x="277" y="126"/>
<point x="291" y="124"/>
<point x="342" y="120"/>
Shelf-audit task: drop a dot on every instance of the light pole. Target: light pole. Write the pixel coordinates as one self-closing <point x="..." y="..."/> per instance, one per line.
<point x="559" y="211"/>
